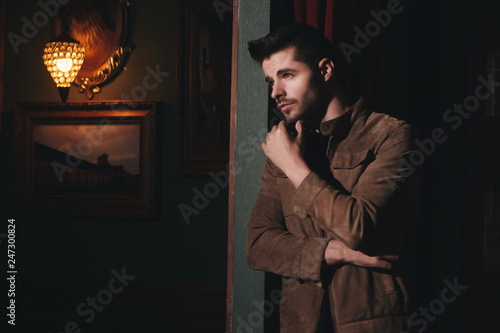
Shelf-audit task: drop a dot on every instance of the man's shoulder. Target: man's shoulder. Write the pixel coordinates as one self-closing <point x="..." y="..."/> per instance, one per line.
<point x="385" y="121"/>
<point x="385" y="125"/>
<point x="375" y="129"/>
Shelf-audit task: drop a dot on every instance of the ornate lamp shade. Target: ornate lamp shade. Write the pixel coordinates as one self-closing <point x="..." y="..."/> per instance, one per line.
<point x="63" y="58"/>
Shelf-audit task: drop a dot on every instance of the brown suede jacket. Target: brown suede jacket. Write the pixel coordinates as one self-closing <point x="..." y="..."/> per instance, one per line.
<point x="363" y="191"/>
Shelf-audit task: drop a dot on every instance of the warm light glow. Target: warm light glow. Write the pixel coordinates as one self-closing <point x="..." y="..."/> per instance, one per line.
<point x="64" y="65"/>
<point x="63" y="61"/>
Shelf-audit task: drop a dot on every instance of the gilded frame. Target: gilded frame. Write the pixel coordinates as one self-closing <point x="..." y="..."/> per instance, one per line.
<point x="101" y="27"/>
<point x="46" y="182"/>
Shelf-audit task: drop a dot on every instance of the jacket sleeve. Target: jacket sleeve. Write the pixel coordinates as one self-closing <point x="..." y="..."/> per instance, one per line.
<point x="270" y="247"/>
<point x="386" y="186"/>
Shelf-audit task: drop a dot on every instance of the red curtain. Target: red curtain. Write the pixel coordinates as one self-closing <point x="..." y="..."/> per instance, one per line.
<point x="337" y="19"/>
<point x="313" y="12"/>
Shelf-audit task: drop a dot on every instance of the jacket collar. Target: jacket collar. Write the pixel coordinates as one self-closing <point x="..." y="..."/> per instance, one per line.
<point x="338" y="127"/>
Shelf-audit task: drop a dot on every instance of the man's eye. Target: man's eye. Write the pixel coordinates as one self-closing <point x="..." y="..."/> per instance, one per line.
<point x="287" y="75"/>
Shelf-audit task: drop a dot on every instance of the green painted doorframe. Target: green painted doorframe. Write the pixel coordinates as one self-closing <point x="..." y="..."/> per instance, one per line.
<point x="248" y="128"/>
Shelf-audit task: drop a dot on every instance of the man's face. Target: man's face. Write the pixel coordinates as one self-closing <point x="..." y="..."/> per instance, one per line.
<point x="293" y="83"/>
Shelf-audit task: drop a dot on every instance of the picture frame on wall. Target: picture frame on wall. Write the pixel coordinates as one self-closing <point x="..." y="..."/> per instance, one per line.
<point x="85" y="159"/>
<point x="204" y="87"/>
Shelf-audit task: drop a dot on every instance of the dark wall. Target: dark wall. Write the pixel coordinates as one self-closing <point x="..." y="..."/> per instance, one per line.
<point x="435" y="52"/>
<point x="61" y="262"/>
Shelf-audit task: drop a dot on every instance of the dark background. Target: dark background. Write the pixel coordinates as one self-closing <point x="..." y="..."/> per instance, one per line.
<point x="434" y="51"/>
<point x="180" y="268"/>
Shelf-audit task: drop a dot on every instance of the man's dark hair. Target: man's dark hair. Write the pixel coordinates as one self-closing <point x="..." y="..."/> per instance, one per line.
<point x="310" y="45"/>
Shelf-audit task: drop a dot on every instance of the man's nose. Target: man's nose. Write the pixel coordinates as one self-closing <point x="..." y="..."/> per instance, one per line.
<point x="278" y="91"/>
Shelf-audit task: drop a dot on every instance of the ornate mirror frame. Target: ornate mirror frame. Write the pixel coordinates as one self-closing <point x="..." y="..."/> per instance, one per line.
<point x="101" y="26"/>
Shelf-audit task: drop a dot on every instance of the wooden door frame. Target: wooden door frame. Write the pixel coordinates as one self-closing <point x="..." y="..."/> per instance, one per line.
<point x="232" y="153"/>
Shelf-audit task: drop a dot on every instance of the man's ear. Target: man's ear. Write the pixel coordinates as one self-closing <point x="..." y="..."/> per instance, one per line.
<point x="326" y="69"/>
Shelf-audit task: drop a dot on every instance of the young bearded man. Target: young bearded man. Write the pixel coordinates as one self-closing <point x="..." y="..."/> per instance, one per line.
<point x="337" y="203"/>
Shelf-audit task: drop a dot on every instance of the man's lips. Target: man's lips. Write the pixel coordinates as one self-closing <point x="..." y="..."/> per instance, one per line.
<point x="284" y="106"/>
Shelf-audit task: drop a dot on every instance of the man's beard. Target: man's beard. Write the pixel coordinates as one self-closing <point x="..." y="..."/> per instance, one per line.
<point x="310" y="113"/>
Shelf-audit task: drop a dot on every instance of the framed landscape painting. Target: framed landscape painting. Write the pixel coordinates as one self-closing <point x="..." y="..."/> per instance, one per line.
<point x="85" y="159"/>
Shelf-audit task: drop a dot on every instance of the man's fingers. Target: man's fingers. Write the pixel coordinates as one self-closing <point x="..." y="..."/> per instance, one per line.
<point x="298" y="127"/>
<point x="383" y="264"/>
<point x="390" y="257"/>
<point x="282" y="124"/>
<point x="273" y="129"/>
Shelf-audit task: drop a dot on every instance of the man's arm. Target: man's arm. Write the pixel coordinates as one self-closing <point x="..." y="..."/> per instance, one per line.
<point x="271" y="248"/>
<point x="379" y="196"/>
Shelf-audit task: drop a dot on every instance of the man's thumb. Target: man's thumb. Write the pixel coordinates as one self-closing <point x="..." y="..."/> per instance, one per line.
<point x="298" y="127"/>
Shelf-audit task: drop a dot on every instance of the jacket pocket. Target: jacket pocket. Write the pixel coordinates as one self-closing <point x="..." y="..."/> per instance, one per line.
<point x="392" y="293"/>
<point x="347" y="167"/>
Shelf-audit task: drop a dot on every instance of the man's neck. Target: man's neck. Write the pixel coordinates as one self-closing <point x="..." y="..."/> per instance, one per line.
<point x="336" y="108"/>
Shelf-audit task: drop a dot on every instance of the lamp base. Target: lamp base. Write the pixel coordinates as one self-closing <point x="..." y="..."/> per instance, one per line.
<point x="63" y="93"/>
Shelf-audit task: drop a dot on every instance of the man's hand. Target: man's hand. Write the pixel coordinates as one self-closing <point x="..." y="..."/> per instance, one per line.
<point x="337" y="253"/>
<point x="286" y="152"/>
